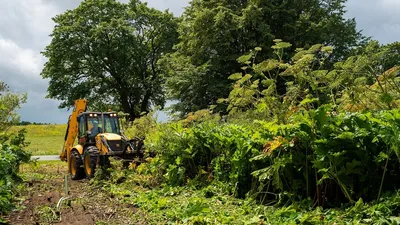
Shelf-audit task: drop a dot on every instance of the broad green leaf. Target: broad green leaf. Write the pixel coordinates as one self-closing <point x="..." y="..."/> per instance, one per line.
<point x="244" y="58"/>
<point x="245" y="78"/>
<point x="308" y="101"/>
<point x="255" y="84"/>
<point x="258" y="49"/>
<point x="315" y="48"/>
<point x="267" y="65"/>
<point x="221" y="100"/>
<point x="269" y="91"/>
<point x="267" y="82"/>
<point x="360" y="81"/>
<point x="346" y="136"/>
<point x="236" y="76"/>
<point x="282" y="45"/>
<point x="328" y="49"/>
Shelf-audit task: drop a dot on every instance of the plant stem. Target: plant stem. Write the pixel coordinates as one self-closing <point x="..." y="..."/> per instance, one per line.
<point x="307" y="182"/>
<point x="383" y="178"/>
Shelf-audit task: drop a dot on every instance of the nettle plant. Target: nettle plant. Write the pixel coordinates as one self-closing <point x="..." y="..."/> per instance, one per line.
<point x="277" y="87"/>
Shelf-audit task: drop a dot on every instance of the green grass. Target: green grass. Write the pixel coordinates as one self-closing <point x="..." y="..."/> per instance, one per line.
<point x="51" y="145"/>
<point x="42" y="170"/>
<point x="44" y="139"/>
<point x="213" y="205"/>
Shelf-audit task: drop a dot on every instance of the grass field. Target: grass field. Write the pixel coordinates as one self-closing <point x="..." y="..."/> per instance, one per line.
<point x="44" y="139"/>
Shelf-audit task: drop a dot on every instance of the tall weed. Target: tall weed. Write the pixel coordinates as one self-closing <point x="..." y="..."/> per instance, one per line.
<point x="327" y="158"/>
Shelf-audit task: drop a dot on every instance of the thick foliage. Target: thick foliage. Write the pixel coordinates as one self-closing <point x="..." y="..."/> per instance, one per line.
<point x="11" y="157"/>
<point x="207" y="151"/>
<point x="141" y="127"/>
<point x="214" y="33"/>
<point x="369" y="80"/>
<point x="320" y="156"/>
<point x="330" y="158"/>
<point x="11" y="145"/>
<point x="107" y="52"/>
<point x="276" y="88"/>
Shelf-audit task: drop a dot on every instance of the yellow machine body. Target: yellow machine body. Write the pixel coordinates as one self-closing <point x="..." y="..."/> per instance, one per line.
<point x="72" y="131"/>
<point x="92" y="145"/>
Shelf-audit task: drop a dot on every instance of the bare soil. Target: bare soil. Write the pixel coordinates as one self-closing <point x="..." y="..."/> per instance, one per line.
<point x="87" y="205"/>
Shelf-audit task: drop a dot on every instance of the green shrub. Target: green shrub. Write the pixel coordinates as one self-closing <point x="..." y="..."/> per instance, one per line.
<point x="327" y="158"/>
<point x="11" y="157"/>
<point x="333" y="159"/>
<point x="206" y="152"/>
<point x="141" y="127"/>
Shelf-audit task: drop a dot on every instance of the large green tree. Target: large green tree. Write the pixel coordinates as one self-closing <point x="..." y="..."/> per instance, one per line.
<point x="214" y="33"/>
<point x="107" y="52"/>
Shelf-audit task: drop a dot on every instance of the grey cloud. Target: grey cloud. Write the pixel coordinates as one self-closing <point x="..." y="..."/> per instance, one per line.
<point x="175" y="6"/>
<point x="376" y="18"/>
<point x="40" y="109"/>
<point x="19" y="83"/>
<point x="25" y="26"/>
<point x="27" y="22"/>
<point x="63" y="5"/>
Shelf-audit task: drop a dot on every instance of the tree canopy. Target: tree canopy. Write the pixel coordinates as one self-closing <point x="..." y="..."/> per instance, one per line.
<point x="107" y="52"/>
<point x="213" y="34"/>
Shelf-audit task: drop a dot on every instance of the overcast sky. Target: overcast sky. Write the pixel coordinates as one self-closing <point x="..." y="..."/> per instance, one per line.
<point x="26" y="24"/>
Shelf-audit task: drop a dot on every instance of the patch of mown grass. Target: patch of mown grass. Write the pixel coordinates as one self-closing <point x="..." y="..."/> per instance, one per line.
<point x="187" y="205"/>
<point x="213" y="204"/>
<point x="44" y="139"/>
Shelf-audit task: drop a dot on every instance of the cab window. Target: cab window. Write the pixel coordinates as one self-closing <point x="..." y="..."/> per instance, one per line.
<point x="82" y="127"/>
<point x="95" y="126"/>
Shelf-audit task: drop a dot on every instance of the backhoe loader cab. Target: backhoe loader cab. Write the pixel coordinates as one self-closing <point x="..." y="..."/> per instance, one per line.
<point x="99" y="137"/>
<point x="93" y="123"/>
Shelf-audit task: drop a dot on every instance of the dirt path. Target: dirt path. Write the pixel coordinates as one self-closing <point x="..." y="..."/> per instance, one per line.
<point x="39" y="198"/>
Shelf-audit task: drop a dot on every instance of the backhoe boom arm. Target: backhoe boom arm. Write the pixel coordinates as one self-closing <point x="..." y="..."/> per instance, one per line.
<point x="72" y="129"/>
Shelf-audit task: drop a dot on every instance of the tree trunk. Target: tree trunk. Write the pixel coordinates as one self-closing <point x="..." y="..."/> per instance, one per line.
<point x="128" y="108"/>
<point x="145" y="103"/>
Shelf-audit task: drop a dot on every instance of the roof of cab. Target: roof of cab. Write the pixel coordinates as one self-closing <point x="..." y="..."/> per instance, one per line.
<point x="104" y="113"/>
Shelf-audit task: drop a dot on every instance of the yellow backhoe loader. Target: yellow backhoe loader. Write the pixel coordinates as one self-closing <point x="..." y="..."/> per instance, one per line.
<point x="99" y="137"/>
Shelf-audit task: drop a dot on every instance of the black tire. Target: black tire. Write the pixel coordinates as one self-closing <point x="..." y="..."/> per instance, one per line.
<point x="90" y="159"/>
<point x="76" y="166"/>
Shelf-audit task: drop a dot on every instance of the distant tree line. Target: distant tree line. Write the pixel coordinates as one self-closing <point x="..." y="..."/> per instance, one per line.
<point x="25" y="123"/>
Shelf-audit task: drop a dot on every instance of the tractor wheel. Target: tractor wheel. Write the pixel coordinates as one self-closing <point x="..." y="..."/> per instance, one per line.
<point x="90" y="159"/>
<point x="75" y="166"/>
